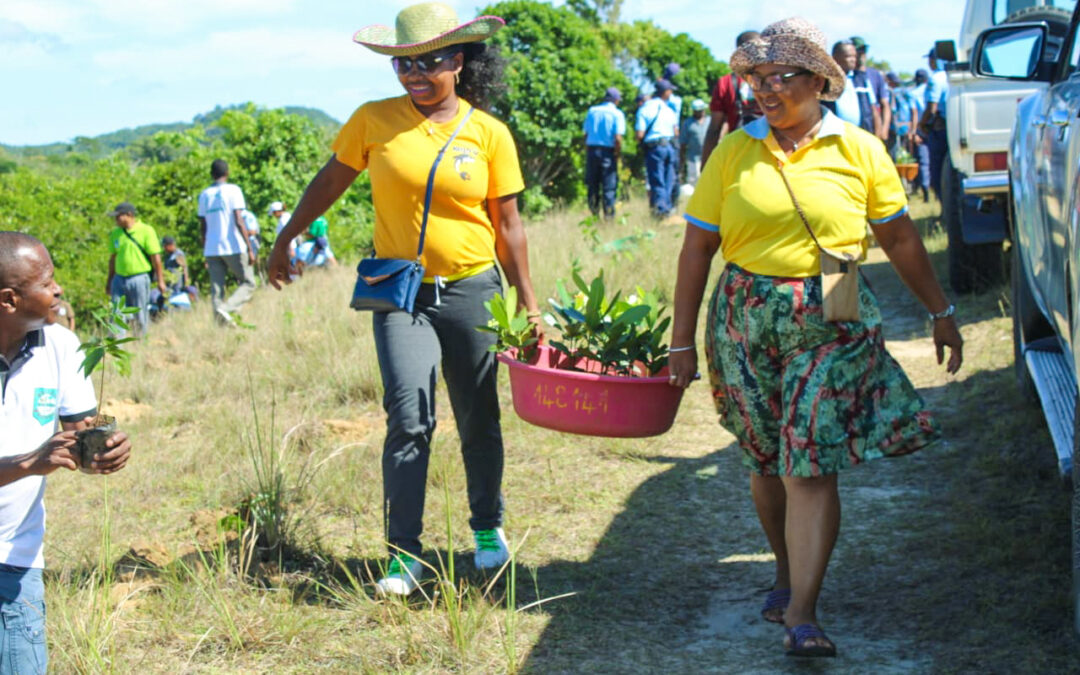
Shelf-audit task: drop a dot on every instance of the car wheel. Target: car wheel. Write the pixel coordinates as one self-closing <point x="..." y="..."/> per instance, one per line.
<point x="972" y="267"/>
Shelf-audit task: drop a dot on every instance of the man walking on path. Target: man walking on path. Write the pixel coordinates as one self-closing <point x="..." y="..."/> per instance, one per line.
<point x="932" y="123"/>
<point x="135" y="252"/>
<point x="877" y="82"/>
<point x="922" y="150"/>
<point x="605" y="126"/>
<point x="226" y="245"/>
<point x="905" y="117"/>
<point x="41" y="388"/>
<point x="656" y="128"/>
<point x="693" y="140"/>
<point x="732" y="104"/>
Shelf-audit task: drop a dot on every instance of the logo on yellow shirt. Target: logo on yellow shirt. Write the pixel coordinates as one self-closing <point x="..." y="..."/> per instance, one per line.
<point x="462" y="157"/>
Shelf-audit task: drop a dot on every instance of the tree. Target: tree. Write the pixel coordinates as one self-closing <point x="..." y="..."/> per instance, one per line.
<point x="558" y="67"/>
<point x="642" y="50"/>
<point x="597" y="11"/>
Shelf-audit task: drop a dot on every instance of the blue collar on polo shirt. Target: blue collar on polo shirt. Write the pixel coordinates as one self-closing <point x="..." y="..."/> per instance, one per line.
<point x="35" y="338"/>
<point x="831" y="125"/>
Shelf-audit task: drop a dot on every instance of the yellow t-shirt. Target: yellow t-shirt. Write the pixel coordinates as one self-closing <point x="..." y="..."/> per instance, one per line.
<point x="398" y="145"/>
<point x="842" y="179"/>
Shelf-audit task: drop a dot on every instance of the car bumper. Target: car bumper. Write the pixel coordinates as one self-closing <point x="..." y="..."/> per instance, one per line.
<point x="981" y="184"/>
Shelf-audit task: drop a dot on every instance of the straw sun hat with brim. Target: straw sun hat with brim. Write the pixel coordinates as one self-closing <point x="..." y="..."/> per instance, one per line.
<point x="791" y="42"/>
<point x="426" y="27"/>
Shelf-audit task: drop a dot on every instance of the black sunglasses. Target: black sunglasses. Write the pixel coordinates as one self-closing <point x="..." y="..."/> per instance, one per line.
<point x="425" y="63"/>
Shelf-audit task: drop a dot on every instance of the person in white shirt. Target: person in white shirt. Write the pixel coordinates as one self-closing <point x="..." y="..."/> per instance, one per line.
<point x="281" y="218"/>
<point x="41" y="389"/>
<point x="657" y="128"/>
<point x="226" y="244"/>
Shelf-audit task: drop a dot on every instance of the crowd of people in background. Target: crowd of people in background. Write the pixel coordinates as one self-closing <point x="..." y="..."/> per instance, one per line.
<point x="152" y="274"/>
<point x="907" y="116"/>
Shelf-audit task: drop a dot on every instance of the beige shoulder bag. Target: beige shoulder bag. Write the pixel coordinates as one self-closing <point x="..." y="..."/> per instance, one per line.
<point x="839" y="272"/>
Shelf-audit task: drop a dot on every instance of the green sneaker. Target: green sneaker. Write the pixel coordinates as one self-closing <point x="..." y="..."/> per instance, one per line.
<point x="402" y="576"/>
<point x="491" y="549"/>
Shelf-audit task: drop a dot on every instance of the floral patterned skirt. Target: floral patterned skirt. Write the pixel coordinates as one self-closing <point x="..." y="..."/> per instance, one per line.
<point x="806" y="397"/>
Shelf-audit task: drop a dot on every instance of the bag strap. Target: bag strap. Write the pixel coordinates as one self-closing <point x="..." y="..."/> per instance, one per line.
<point x="431" y="180"/>
<point x="139" y="246"/>
<point x="842" y="255"/>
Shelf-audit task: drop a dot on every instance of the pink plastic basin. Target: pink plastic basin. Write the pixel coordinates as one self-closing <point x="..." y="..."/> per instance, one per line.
<point x="588" y="403"/>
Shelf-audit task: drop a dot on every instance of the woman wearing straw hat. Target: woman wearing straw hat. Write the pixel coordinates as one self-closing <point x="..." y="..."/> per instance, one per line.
<point x="805" y="397"/>
<point x="472" y="221"/>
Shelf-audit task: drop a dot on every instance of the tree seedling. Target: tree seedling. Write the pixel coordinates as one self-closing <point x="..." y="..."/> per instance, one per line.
<point x="111" y="321"/>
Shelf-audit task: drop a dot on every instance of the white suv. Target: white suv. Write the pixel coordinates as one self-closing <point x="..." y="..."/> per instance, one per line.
<point x="979" y="120"/>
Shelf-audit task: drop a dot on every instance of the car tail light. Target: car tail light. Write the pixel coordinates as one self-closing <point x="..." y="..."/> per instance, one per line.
<point x="991" y="161"/>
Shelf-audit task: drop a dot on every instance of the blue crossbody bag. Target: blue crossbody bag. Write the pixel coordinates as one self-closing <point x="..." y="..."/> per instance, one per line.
<point x="391" y="284"/>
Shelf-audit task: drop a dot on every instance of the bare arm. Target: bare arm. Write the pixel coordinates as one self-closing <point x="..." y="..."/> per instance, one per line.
<point x="901" y="243"/>
<point x="321" y="193"/>
<point x="886" y="119"/>
<point x="713" y="135"/>
<point x="695" y="260"/>
<point x="112" y="273"/>
<point x="512" y="250"/>
<point x="238" y="217"/>
<point x="155" y="260"/>
<point x="182" y="260"/>
<point x="928" y="114"/>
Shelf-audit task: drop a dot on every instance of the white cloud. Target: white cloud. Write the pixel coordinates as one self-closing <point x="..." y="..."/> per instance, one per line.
<point x="239" y="53"/>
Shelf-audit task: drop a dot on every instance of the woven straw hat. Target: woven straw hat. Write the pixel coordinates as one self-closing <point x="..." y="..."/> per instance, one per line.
<point x="426" y="27"/>
<point x="791" y="42"/>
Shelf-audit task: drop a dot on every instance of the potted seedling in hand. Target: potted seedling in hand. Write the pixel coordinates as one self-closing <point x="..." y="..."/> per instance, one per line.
<point x="110" y="320"/>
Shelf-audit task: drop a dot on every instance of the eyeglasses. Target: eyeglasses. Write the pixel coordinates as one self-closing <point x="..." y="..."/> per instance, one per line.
<point x="425" y="63"/>
<point x="776" y="82"/>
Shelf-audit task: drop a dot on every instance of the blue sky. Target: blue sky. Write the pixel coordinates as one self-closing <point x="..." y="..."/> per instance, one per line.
<point x="84" y="67"/>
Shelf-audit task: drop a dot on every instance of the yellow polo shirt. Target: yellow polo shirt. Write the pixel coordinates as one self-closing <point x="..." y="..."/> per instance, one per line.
<point x="398" y="145"/>
<point x="842" y="179"/>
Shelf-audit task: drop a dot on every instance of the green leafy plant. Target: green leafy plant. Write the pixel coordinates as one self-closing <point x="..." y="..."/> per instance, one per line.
<point x="623" y="335"/>
<point x="511" y="326"/>
<point x="111" y="321"/>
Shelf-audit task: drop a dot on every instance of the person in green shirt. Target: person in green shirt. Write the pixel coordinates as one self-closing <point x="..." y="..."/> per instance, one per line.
<point x="135" y="251"/>
<point x="318" y="233"/>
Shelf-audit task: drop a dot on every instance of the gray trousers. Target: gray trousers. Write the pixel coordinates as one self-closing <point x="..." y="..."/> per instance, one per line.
<point x="236" y="264"/>
<point x="411" y="348"/>
<point x="135" y="292"/>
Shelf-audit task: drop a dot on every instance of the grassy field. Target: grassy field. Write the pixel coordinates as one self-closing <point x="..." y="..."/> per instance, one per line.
<point x="632" y="555"/>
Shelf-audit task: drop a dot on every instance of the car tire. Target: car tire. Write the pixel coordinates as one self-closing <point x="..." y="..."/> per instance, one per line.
<point x="972" y="267"/>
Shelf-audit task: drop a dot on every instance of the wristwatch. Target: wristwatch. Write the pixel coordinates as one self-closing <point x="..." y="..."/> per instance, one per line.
<point x="945" y="313"/>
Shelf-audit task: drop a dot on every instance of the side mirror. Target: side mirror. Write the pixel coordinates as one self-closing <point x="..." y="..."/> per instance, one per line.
<point x="1010" y="51"/>
<point x="945" y="50"/>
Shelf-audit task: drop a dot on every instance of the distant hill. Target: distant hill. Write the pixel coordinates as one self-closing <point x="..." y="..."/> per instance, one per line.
<point x="105" y="144"/>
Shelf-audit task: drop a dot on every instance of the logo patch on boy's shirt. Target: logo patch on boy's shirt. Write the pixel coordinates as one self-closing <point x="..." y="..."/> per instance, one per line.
<point x="44" y="405"/>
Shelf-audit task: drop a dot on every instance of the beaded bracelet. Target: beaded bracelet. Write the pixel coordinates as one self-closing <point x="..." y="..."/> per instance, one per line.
<point x="688" y="348"/>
